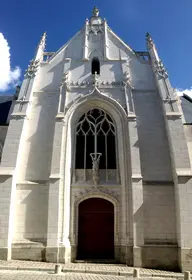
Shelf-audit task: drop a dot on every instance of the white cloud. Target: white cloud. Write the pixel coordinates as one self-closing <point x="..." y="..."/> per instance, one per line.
<point x="187" y="91"/>
<point x="8" y="77"/>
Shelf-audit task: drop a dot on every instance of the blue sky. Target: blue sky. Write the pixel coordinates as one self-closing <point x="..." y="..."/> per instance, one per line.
<point x="169" y="22"/>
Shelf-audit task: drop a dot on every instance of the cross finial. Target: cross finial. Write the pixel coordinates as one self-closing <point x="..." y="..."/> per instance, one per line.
<point x="95" y="11"/>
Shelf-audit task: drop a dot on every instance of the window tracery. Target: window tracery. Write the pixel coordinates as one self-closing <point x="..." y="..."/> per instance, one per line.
<point x="96" y="142"/>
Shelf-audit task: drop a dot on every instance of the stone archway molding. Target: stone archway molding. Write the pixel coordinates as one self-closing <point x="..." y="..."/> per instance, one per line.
<point x="88" y="193"/>
<point x="95" y="99"/>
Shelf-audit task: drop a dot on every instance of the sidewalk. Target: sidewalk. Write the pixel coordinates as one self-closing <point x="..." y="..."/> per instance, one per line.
<point x="104" y="269"/>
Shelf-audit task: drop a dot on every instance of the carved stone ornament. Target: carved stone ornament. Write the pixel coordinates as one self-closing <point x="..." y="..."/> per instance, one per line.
<point x="127" y="79"/>
<point x="104" y="83"/>
<point x="95" y="169"/>
<point x="149" y="40"/>
<point x="95" y="29"/>
<point x="100" y="190"/>
<point x="32" y="69"/>
<point x="95" y="79"/>
<point x="160" y="69"/>
<point x="65" y="81"/>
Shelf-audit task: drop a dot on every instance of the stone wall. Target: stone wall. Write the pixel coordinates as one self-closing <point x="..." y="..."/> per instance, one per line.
<point x="159" y="215"/>
<point x="31" y="213"/>
<point x="188" y="135"/>
<point x="153" y="143"/>
<point x="35" y="160"/>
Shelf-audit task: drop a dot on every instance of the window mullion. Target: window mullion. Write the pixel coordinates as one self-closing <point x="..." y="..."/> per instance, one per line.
<point x="95" y="136"/>
<point x="106" y="156"/>
<point x="85" y="153"/>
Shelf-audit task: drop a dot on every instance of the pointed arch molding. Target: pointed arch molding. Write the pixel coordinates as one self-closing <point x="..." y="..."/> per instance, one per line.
<point x="95" y="52"/>
<point x="93" y="193"/>
<point x="94" y="99"/>
<point x="98" y="99"/>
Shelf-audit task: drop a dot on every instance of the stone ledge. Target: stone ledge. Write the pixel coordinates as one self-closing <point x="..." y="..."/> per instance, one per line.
<point x="27" y="245"/>
<point x="54" y="176"/>
<point x="6" y="171"/>
<point x="136" y="177"/>
<point x="173" y="115"/>
<point x="59" y="116"/>
<point x="184" y="172"/>
<point x="18" y="115"/>
<point x="43" y="182"/>
<point x="132" y="117"/>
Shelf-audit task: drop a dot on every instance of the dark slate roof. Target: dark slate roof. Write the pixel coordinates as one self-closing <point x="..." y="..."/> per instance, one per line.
<point x="186" y="104"/>
<point x="5" y="106"/>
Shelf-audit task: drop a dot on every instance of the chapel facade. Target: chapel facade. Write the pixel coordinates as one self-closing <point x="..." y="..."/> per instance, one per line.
<point x="96" y="163"/>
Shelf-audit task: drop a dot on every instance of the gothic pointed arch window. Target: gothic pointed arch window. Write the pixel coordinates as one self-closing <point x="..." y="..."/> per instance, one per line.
<point x="96" y="137"/>
<point x="95" y="66"/>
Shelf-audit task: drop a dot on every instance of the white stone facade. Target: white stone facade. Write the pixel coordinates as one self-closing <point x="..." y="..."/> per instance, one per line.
<point x="151" y="190"/>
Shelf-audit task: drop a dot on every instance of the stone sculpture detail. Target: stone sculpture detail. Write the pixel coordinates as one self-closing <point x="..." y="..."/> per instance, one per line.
<point x="95" y="169"/>
<point x="160" y="69"/>
<point x="32" y="69"/>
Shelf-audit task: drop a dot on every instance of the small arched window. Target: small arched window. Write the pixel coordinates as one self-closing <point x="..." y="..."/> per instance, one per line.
<point x="95" y="67"/>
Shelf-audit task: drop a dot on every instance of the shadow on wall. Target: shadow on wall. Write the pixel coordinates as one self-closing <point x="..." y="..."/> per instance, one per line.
<point x="52" y="77"/>
<point x="156" y="256"/>
<point x="153" y="142"/>
<point x="40" y="143"/>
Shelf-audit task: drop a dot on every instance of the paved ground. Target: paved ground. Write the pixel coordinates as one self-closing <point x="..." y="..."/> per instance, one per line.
<point x="26" y="275"/>
<point x="84" y="267"/>
<point x="10" y="270"/>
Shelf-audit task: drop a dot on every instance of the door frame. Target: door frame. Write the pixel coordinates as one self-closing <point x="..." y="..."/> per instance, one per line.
<point x="109" y="207"/>
<point x="75" y="218"/>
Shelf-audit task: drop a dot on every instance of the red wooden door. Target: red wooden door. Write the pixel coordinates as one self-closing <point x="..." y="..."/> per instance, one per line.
<point x="96" y="229"/>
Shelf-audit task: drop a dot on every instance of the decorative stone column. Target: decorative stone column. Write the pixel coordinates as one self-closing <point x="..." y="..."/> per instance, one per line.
<point x="86" y="46"/>
<point x="54" y="230"/>
<point x="137" y="193"/>
<point x="65" y="173"/>
<point x="106" y="47"/>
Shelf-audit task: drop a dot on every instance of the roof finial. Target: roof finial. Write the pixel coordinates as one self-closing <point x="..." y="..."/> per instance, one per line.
<point x="95" y="11"/>
<point x="43" y="39"/>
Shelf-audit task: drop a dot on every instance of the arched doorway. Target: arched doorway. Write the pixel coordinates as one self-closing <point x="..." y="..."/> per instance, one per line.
<point x="96" y="229"/>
